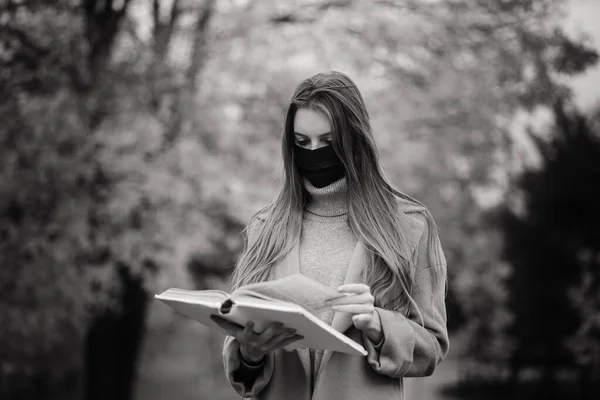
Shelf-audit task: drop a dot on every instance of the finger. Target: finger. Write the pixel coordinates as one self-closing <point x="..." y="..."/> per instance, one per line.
<point x="362" y="298"/>
<point x="231" y="327"/>
<point x="289" y="340"/>
<point x="271" y="330"/>
<point x="276" y="340"/>
<point x="355" y="308"/>
<point x="362" y="321"/>
<point x="248" y="330"/>
<point x="361" y="318"/>
<point x="264" y="342"/>
<point x="354" y="288"/>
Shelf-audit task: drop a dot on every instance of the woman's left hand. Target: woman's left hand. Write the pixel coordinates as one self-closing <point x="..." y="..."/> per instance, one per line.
<point x="360" y="302"/>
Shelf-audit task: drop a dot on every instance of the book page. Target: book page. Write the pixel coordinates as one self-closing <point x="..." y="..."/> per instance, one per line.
<point x="194" y="296"/>
<point x="316" y="333"/>
<point x="294" y="301"/>
<point x="297" y="289"/>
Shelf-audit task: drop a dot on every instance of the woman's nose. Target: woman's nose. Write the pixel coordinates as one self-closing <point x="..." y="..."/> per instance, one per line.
<point x="316" y="144"/>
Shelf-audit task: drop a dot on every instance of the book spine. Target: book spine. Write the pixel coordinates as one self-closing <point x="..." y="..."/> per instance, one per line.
<point x="226" y="306"/>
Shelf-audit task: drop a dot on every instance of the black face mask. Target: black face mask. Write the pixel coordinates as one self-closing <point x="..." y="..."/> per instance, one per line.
<point x="321" y="167"/>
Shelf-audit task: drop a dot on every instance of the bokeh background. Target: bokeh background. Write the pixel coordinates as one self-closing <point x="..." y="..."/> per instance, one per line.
<point x="137" y="137"/>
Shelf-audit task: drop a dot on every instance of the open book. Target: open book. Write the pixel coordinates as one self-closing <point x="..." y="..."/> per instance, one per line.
<point x="294" y="300"/>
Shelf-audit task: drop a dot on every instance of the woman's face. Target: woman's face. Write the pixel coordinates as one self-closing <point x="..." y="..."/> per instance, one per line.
<point x="312" y="129"/>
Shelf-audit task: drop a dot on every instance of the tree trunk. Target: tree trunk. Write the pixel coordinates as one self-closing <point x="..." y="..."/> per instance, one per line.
<point x="114" y="343"/>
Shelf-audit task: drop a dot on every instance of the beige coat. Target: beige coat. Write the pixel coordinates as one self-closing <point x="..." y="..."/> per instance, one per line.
<point x="411" y="348"/>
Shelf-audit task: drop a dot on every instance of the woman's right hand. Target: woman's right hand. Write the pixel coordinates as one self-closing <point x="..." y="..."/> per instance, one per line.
<point x="254" y="346"/>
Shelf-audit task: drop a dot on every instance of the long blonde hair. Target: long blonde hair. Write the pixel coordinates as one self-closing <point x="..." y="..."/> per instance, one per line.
<point x="372" y="201"/>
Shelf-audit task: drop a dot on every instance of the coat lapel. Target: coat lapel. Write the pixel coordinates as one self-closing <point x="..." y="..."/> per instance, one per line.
<point x="290" y="265"/>
<point x="342" y="321"/>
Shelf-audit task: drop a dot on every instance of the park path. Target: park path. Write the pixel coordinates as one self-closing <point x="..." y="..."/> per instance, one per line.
<point x="184" y="362"/>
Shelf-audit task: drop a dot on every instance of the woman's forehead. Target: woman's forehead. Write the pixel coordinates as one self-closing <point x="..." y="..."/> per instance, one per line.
<point x="309" y="122"/>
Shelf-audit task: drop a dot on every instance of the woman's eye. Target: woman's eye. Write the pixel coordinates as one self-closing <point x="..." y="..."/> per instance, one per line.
<point x="301" y="142"/>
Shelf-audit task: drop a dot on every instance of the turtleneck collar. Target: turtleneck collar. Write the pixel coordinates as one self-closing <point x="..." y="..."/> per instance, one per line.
<point x="327" y="204"/>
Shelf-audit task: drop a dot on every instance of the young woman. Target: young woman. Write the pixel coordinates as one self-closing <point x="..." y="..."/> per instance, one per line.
<point x="337" y="219"/>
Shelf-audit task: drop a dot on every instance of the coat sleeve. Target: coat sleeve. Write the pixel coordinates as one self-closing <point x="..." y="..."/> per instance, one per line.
<point x="413" y="346"/>
<point x="246" y="382"/>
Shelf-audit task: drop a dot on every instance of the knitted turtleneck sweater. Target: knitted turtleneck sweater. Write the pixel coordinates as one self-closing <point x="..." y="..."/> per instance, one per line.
<point x="326" y="243"/>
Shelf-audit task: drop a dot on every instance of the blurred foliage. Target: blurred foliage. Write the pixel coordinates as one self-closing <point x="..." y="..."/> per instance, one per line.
<point x="43" y="231"/>
<point x="484" y="346"/>
<point x="551" y="228"/>
<point x="140" y="136"/>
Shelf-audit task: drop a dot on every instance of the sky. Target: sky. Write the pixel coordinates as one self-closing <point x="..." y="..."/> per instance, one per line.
<point x="584" y="17"/>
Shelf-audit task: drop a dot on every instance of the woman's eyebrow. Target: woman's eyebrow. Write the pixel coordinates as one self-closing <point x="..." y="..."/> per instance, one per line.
<point x="321" y="135"/>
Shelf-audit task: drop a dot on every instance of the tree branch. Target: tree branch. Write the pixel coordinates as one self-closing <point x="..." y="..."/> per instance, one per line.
<point x="180" y="109"/>
<point x="175" y="12"/>
<point x="102" y="28"/>
<point x="310" y="15"/>
<point x="200" y="43"/>
<point x="163" y="32"/>
<point x="156" y="17"/>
